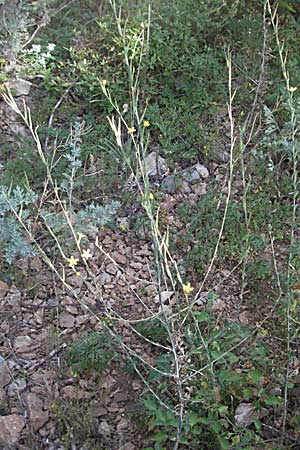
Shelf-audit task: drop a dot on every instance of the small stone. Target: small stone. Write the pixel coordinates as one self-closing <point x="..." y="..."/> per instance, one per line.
<point x="244" y="414"/>
<point x="150" y="290"/>
<point x="107" y="241"/>
<point x="200" y="189"/>
<point x="35" y="263"/>
<point x="218" y="305"/>
<point x="19" y="87"/>
<point x="10" y="429"/>
<point x="82" y="319"/>
<point x="66" y="320"/>
<point x="104" y="429"/>
<point x="23" y="344"/>
<point x="104" y="278"/>
<point x="74" y="393"/>
<point x="155" y="165"/>
<point x="98" y="411"/>
<point x="136" y="265"/>
<point x="119" y="258"/>
<point x="171" y="184"/>
<point x="244" y="317"/>
<point x="37" y="416"/>
<point x="4" y="374"/>
<point x="71" y="309"/>
<point x="18" y="386"/>
<point x="196" y="173"/>
<point x="128" y="446"/>
<point x="164" y="296"/>
<point x="185" y="187"/>
<point x="123" y="425"/>
<point x="111" y="268"/>
<point x="4" y="288"/>
<point x="108" y="382"/>
<point x="202" y="170"/>
<point x="13" y="298"/>
<point x="76" y="280"/>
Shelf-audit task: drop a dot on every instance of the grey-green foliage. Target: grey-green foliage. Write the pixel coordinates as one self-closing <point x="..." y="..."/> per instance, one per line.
<point x="14" y="23"/>
<point x="279" y="138"/>
<point x="73" y="157"/>
<point x="87" y="220"/>
<point x="12" y="236"/>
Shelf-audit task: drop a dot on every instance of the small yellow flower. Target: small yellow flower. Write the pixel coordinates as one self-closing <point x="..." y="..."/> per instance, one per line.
<point x="151" y="196"/>
<point x="72" y="262"/>
<point x="78" y="274"/>
<point x="131" y="130"/>
<point x="86" y="254"/>
<point x="187" y="288"/>
<point x="123" y="227"/>
<point x="146" y="123"/>
<point x="292" y="89"/>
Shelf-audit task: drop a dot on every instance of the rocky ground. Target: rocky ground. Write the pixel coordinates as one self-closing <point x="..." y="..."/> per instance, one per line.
<point x="43" y="405"/>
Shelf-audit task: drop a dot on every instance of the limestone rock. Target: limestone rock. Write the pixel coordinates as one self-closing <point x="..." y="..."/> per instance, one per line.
<point x="128" y="446"/>
<point x="155" y="165"/>
<point x="4" y="373"/>
<point x="104" y="429"/>
<point x="10" y="429"/>
<point x="37" y="416"/>
<point x="17" y="386"/>
<point x="66" y="320"/>
<point x="196" y="173"/>
<point x="244" y="414"/>
<point x="24" y="344"/>
<point x="104" y="278"/>
<point x="218" y="305"/>
<point x="74" y="393"/>
<point x="111" y="269"/>
<point x="4" y="288"/>
<point x="164" y="296"/>
<point x="19" y="87"/>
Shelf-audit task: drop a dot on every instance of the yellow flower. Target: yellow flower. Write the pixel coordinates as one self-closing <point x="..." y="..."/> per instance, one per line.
<point x="146" y="123"/>
<point x="292" y="89"/>
<point x="123" y="227"/>
<point x="131" y="130"/>
<point x="187" y="288"/>
<point x="72" y="262"/>
<point x="151" y="196"/>
<point x="78" y="274"/>
<point x="86" y="254"/>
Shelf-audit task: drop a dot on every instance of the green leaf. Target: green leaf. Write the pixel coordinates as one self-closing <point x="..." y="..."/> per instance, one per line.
<point x="229" y="375"/>
<point x="286" y="5"/>
<point x="272" y="400"/>
<point x="192" y="418"/>
<point x="255" y="375"/>
<point x="257" y="423"/>
<point x="161" y="436"/>
<point x="225" y="445"/>
<point x="247" y="393"/>
<point x="232" y="358"/>
<point x="222" y="410"/>
<point x="150" y="405"/>
<point x="202" y="316"/>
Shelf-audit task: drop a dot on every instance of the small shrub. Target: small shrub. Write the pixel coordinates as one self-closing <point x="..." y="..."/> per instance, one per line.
<point x="92" y="353"/>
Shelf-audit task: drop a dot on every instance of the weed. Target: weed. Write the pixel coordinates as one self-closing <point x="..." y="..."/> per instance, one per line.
<point x="93" y="353"/>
